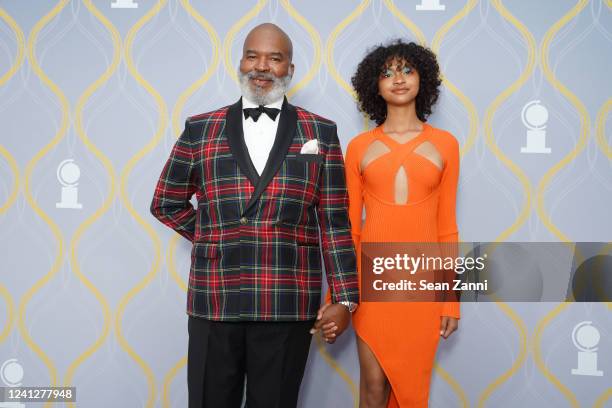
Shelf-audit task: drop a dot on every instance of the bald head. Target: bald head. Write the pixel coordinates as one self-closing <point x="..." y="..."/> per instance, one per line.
<point x="268" y="33"/>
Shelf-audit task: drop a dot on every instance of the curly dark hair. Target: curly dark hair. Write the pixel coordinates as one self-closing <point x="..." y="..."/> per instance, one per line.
<point x="365" y="80"/>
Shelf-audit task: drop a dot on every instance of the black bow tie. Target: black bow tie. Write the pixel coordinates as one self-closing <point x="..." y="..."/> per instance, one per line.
<point x="255" y="113"/>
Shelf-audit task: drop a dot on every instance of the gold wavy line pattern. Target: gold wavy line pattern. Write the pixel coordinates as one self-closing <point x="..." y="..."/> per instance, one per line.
<point x="581" y="143"/>
<point x="12" y="163"/>
<point x="331" y="41"/>
<point x="418" y="33"/>
<point x="492" y="145"/>
<point x="229" y="38"/>
<point x="125" y="173"/>
<point x="601" y="400"/>
<point x="216" y="45"/>
<point x="3" y="80"/>
<point x="582" y="112"/>
<point x="97" y="215"/>
<point x="55" y="230"/>
<point x="600" y="129"/>
<point x="490" y="113"/>
<point x="454" y="384"/>
<point x="4" y="292"/>
<point x="602" y="116"/>
<point x="537" y="338"/>
<point x="316" y="42"/>
<point x="539" y="361"/>
<point x="169" y="377"/>
<point x="20" y="46"/>
<point x="10" y="312"/>
<point x="331" y="361"/>
<point x="517" y="363"/>
<point x="436" y="44"/>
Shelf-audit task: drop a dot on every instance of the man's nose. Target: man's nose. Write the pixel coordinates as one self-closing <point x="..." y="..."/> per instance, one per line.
<point x="262" y="65"/>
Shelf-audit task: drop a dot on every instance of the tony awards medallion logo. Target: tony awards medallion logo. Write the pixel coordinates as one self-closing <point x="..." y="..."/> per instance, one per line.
<point x="68" y="174"/>
<point x="11" y="374"/>
<point x="534" y="116"/>
<point x="586" y="338"/>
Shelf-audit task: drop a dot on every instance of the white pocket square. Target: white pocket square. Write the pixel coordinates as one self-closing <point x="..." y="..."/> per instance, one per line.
<point x="310" y="147"/>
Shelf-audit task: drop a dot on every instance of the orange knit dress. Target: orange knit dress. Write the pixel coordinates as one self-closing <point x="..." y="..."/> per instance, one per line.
<point x="403" y="336"/>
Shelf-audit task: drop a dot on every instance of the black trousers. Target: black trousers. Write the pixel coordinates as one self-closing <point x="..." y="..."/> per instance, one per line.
<point x="272" y="356"/>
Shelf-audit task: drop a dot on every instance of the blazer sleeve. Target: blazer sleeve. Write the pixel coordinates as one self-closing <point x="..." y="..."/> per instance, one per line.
<point x="177" y="184"/>
<point x="355" y="196"/>
<point x="332" y="211"/>
<point x="447" y="223"/>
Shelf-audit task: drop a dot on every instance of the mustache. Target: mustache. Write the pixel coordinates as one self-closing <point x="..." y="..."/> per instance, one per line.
<point x="260" y="75"/>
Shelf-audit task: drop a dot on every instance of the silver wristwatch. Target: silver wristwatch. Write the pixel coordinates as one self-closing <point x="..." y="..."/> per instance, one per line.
<point x="351" y="306"/>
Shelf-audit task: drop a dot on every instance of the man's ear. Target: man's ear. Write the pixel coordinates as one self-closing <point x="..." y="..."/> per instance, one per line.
<point x="291" y="69"/>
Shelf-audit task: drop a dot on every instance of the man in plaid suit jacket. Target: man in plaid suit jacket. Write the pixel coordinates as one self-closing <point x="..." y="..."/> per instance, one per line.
<point x="255" y="280"/>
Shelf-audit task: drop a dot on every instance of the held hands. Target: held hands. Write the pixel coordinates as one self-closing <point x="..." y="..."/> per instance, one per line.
<point x="332" y="320"/>
<point x="448" y="325"/>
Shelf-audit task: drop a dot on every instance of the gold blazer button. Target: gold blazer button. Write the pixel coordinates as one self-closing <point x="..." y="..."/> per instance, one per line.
<point x="244" y="220"/>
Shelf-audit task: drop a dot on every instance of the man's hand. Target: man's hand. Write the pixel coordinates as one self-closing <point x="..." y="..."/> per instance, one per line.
<point x="448" y="325"/>
<point x="332" y="320"/>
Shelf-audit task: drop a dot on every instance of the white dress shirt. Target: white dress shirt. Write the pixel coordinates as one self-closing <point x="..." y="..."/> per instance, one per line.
<point x="259" y="136"/>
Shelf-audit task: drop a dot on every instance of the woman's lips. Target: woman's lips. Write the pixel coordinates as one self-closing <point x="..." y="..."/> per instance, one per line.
<point x="400" y="91"/>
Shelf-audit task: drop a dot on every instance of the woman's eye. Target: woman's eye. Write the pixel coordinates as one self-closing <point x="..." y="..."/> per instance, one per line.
<point x="387" y="73"/>
<point x="406" y="70"/>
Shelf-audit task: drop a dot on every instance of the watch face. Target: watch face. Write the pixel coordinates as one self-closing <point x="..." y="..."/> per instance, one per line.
<point x="350" y="306"/>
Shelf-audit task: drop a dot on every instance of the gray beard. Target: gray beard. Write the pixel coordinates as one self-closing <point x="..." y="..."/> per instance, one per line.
<point x="258" y="95"/>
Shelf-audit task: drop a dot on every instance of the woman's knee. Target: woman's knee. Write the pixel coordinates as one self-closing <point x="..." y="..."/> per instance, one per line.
<point x="375" y="387"/>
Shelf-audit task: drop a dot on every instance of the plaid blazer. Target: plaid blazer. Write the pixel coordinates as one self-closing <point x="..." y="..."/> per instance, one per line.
<point x="256" y="248"/>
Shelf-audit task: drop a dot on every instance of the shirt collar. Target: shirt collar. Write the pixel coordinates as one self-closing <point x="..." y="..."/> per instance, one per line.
<point x="249" y="104"/>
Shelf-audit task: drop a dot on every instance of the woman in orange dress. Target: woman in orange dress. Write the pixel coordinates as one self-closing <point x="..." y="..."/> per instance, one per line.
<point x="405" y="173"/>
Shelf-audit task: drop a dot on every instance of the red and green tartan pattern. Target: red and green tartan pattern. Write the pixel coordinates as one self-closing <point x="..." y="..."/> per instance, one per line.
<point x="265" y="263"/>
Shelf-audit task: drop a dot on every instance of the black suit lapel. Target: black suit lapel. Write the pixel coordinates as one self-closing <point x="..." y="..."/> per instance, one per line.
<point x="284" y="137"/>
<point x="235" y="138"/>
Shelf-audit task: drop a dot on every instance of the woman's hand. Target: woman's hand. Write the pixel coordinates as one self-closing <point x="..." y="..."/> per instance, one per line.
<point x="448" y="325"/>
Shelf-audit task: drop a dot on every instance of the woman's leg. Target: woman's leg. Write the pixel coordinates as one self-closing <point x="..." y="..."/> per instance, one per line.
<point x="373" y="384"/>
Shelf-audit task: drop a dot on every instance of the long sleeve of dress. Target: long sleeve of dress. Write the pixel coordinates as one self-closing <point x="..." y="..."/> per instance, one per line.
<point x="355" y="191"/>
<point x="447" y="223"/>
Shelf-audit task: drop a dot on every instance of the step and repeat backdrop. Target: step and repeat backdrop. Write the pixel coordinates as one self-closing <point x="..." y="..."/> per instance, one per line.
<point x="93" y="95"/>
